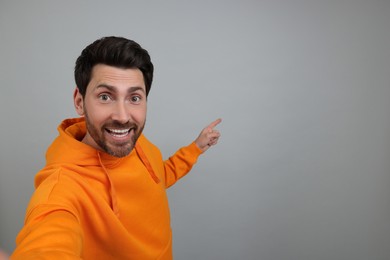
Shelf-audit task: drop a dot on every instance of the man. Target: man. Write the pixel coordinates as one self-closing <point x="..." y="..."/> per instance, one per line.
<point x="102" y="192"/>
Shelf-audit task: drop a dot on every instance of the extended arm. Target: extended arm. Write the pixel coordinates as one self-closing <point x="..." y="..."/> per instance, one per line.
<point x="49" y="234"/>
<point x="182" y="161"/>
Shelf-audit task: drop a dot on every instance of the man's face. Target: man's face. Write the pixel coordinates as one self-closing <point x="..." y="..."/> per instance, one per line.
<point x="114" y="107"/>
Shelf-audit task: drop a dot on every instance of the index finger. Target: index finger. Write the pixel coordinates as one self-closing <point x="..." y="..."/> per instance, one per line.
<point x="214" y="124"/>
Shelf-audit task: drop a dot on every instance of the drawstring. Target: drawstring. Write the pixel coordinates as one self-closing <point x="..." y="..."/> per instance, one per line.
<point x="114" y="203"/>
<point x="146" y="162"/>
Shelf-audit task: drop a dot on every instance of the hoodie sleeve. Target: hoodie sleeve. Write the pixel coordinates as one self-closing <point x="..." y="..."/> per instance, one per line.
<point x="49" y="233"/>
<point x="179" y="164"/>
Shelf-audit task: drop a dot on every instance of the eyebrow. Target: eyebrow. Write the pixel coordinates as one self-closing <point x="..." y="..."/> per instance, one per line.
<point x="113" y="89"/>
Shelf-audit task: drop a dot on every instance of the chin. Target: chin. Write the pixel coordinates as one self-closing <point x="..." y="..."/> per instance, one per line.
<point x="123" y="152"/>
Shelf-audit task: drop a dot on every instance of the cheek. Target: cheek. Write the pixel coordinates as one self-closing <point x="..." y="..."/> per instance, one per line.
<point x="139" y="115"/>
<point x="96" y="116"/>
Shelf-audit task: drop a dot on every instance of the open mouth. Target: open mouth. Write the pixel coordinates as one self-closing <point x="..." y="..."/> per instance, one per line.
<point x="119" y="133"/>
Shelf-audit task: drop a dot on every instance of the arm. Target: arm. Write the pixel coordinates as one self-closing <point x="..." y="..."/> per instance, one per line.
<point x="49" y="233"/>
<point x="182" y="161"/>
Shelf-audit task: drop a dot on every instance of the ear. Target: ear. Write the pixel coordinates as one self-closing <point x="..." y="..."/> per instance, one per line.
<point x="78" y="102"/>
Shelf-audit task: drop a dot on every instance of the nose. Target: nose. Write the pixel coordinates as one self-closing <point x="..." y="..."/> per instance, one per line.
<point x="121" y="112"/>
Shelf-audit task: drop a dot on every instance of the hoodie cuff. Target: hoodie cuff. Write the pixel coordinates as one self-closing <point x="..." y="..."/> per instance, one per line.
<point x="193" y="147"/>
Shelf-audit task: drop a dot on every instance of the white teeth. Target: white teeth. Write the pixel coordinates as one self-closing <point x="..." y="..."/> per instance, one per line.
<point x="119" y="131"/>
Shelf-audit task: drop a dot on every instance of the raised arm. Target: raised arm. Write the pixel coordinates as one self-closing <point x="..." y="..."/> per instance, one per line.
<point x="182" y="161"/>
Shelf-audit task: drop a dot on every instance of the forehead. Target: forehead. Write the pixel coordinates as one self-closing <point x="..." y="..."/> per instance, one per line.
<point x="117" y="77"/>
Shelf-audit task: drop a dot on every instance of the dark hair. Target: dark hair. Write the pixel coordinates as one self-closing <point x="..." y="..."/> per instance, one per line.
<point x="113" y="51"/>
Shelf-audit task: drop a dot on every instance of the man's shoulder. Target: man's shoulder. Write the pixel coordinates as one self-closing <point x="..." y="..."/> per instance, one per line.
<point x="56" y="189"/>
<point x="57" y="184"/>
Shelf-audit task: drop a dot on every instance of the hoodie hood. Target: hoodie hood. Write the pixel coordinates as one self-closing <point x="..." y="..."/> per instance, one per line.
<point x="68" y="150"/>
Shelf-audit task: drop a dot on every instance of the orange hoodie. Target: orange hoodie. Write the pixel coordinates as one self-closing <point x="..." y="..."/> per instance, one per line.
<point x="90" y="205"/>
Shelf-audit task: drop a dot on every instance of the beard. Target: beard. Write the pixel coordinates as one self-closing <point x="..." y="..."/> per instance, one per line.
<point x="116" y="149"/>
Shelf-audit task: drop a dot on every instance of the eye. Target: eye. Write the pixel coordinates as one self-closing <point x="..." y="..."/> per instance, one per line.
<point x="104" y="97"/>
<point x="136" y="99"/>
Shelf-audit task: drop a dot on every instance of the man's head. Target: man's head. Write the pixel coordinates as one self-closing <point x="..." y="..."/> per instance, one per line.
<point x="113" y="77"/>
<point x="113" y="51"/>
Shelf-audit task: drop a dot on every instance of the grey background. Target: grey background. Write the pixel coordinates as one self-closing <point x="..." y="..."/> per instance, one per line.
<point x="302" y="170"/>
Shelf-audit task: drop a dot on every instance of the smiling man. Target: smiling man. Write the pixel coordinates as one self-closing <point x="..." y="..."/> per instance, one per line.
<point x="114" y="108"/>
<point x="102" y="193"/>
